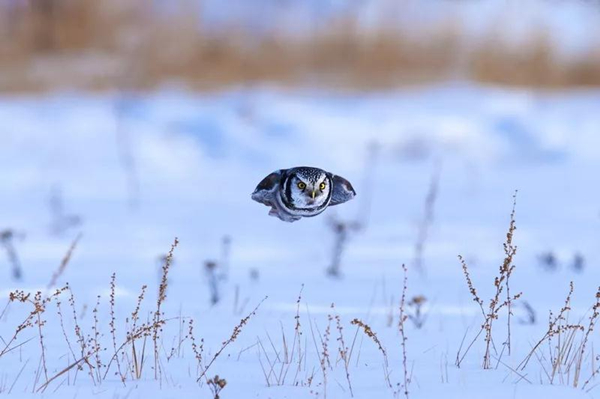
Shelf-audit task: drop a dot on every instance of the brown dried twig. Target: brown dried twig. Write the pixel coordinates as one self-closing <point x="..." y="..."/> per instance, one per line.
<point x="507" y="266"/>
<point x="162" y="295"/>
<point x="366" y="329"/>
<point x="343" y="351"/>
<point x="6" y="239"/>
<point x="402" y="330"/>
<point x="236" y="332"/>
<point x="501" y="282"/>
<point x="428" y="219"/>
<point x="64" y="262"/>
<point x="217" y="384"/>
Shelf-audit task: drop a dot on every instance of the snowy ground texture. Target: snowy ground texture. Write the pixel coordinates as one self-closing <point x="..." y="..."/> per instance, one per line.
<point x="132" y="172"/>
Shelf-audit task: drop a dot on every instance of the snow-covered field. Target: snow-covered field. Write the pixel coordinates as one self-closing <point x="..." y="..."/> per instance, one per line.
<point x="132" y="172"/>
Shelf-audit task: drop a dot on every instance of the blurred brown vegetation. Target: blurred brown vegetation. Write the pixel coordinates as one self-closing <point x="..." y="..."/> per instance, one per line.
<point x="96" y="45"/>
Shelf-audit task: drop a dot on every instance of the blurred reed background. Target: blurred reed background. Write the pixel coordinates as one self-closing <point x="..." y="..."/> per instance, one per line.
<point x="361" y="44"/>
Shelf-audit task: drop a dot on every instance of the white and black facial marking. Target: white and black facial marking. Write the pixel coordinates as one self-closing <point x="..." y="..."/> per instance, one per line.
<point x="306" y="191"/>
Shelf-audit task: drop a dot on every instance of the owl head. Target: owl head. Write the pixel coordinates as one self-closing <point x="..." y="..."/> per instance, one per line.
<point x="307" y="188"/>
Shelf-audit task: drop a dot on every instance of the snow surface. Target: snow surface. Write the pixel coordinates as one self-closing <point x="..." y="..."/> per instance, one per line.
<point x="197" y="158"/>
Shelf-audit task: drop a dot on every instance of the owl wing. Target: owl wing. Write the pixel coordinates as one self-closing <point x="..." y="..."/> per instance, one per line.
<point x="342" y="191"/>
<point x="263" y="193"/>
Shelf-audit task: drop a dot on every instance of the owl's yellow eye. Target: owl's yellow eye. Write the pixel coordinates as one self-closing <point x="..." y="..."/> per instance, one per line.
<point x="301" y="185"/>
<point x="322" y="186"/>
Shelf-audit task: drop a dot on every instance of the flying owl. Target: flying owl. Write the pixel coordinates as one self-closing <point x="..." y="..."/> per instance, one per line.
<point x="301" y="192"/>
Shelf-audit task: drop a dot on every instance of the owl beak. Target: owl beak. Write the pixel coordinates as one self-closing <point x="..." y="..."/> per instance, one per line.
<point x="313" y="194"/>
